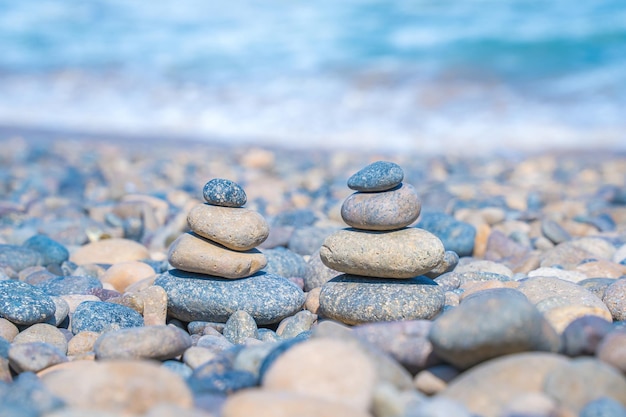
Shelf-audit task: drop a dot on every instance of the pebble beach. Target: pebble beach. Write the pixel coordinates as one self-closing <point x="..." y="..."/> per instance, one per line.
<point x="192" y="279"/>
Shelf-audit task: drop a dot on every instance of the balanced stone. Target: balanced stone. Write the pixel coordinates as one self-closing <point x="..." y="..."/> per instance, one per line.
<point x="377" y="176"/>
<point x="387" y="210"/>
<point x="22" y="303"/>
<point x="193" y="253"/>
<point x="225" y="193"/>
<point x="266" y="297"/>
<point x="238" y="229"/>
<point x="407" y="252"/>
<point x="355" y="299"/>
<point x="98" y="316"/>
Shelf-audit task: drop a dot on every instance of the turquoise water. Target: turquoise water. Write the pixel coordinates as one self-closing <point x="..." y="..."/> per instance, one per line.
<point x="431" y="75"/>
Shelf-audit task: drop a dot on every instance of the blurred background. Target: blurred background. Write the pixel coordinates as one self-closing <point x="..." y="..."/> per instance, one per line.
<point x="426" y="76"/>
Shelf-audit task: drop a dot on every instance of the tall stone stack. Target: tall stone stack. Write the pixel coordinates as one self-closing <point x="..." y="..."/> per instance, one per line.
<point x="218" y="266"/>
<point x="382" y="258"/>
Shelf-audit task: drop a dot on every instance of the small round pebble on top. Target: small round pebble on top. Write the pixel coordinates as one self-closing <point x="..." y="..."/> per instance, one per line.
<point x="225" y="193"/>
<point x="377" y="176"/>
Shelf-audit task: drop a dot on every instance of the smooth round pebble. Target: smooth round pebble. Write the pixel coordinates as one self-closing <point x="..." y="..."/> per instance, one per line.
<point x="603" y="407"/>
<point x="99" y="316"/>
<point x="123" y="274"/>
<point x="154" y="342"/>
<point x="34" y="356"/>
<point x="8" y="330"/>
<point x="292" y="326"/>
<point x="240" y="326"/>
<point x="24" y="304"/>
<point x="51" y="251"/>
<point x="82" y="343"/>
<point x="285" y="263"/>
<point x="70" y="285"/>
<point x="377" y="176"/>
<point x="225" y="193"/>
<point x="456" y="236"/>
<point x="109" y="251"/>
<point x="582" y="336"/>
<point x="42" y="332"/>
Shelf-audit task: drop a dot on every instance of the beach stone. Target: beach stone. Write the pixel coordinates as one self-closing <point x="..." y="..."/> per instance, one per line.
<point x="612" y="350"/>
<point x="435" y="379"/>
<point x="82" y="343"/>
<point x="61" y="312"/>
<point x="354" y="299"/>
<point x="109" y="251"/>
<point x="562" y="302"/>
<point x="596" y="286"/>
<point x="568" y="255"/>
<point x="312" y="302"/>
<point x="252" y="357"/>
<point x="285" y="263"/>
<point x="121" y="387"/>
<point x="600" y="248"/>
<point x="214" y="342"/>
<point x="123" y="274"/>
<point x="279" y="236"/>
<point x="19" y="257"/>
<point x="554" y="231"/>
<point x="615" y="299"/>
<point x="225" y="193"/>
<point x="292" y="326"/>
<point x="154" y="342"/>
<point x="196" y="356"/>
<point x="192" y="253"/>
<point x="602" y="268"/>
<point x="317" y="274"/>
<point x="51" y="251"/>
<point x="240" y="326"/>
<point x="238" y="229"/>
<point x="448" y="263"/>
<point x="34" y="356"/>
<point x="533" y="404"/>
<point x="403" y="253"/>
<point x="41" y="332"/>
<point x="387" y="210"/>
<point x="308" y="240"/>
<point x="504" y="378"/>
<point x="406" y="341"/>
<point x="99" y="316"/>
<point x="453" y="280"/>
<point x="603" y="407"/>
<point x="565" y="275"/>
<point x="74" y="300"/>
<point x="226" y="382"/>
<point x="264" y="403"/>
<point x="620" y="255"/>
<point x="154" y="300"/>
<point x="8" y="330"/>
<point x="377" y="176"/>
<point x="24" y="304"/>
<point x="583" y="380"/>
<point x="27" y="396"/>
<point x="389" y="401"/>
<point x="266" y="297"/>
<point x="495" y="323"/>
<point x="582" y="336"/>
<point x="481" y="265"/>
<point x="456" y="236"/>
<point x="70" y="285"/>
<point x="334" y="371"/>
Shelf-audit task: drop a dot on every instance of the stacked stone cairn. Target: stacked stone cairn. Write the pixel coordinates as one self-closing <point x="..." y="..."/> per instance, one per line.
<point x="218" y="268"/>
<point x="383" y="259"/>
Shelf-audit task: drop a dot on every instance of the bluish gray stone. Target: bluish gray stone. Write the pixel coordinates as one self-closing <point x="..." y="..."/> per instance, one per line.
<point x="307" y="240"/>
<point x="488" y="324"/>
<point x="52" y="252"/>
<point x="4" y="347"/>
<point x="285" y="263"/>
<point x="240" y="326"/>
<point x="19" y="257"/>
<point x="583" y="335"/>
<point x="603" y="407"/>
<point x="28" y="396"/>
<point x="180" y="368"/>
<point x="296" y="218"/>
<point x="225" y="382"/>
<point x="70" y="285"/>
<point x="377" y="176"/>
<point x="452" y="280"/>
<point x="99" y="316"/>
<point x="268" y="298"/>
<point x="34" y="356"/>
<point x="225" y="193"/>
<point x="24" y="304"/>
<point x="456" y="236"/>
<point x="354" y="299"/>
<point x="554" y="231"/>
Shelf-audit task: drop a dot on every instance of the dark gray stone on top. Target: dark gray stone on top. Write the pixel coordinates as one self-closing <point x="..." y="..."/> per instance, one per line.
<point x="99" y="316"/>
<point x="24" y="304"/>
<point x="377" y="176"/>
<point x="225" y="193"/>
<point x="52" y="252"/>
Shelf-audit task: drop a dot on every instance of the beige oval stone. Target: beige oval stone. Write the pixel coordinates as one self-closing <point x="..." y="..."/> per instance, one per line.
<point x="386" y="210"/>
<point x="42" y="332"/>
<point x="117" y="386"/>
<point x="404" y="253"/>
<point x="82" y="343"/>
<point x="237" y="228"/>
<point x="192" y="253"/>
<point x="109" y="251"/>
<point x="261" y="403"/>
<point x="123" y="274"/>
<point x="326" y="369"/>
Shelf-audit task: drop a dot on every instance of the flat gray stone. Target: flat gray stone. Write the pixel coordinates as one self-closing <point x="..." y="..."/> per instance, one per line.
<point x="354" y="299"/>
<point x="51" y="251"/>
<point x="268" y="298"/>
<point x="100" y="317"/>
<point x="377" y="176"/>
<point x="24" y="304"/>
<point x="404" y="253"/>
<point x="19" y="257"/>
<point x="240" y="326"/>
<point x="151" y="342"/>
<point x="386" y="210"/>
<point x="225" y="193"/>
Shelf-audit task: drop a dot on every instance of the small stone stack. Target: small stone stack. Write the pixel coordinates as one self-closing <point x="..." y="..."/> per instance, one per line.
<point x="381" y="257"/>
<point x="217" y="263"/>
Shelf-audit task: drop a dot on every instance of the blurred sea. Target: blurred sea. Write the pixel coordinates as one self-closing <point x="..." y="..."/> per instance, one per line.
<point x="422" y="75"/>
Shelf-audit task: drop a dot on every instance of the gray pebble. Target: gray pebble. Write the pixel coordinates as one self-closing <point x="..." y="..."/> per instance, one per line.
<point x="307" y="240"/>
<point x="317" y="274"/>
<point x="151" y="342"/>
<point x="456" y="236"/>
<point x="240" y="326"/>
<point x="70" y="285"/>
<point x="554" y="231"/>
<point x="603" y="407"/>
<point x="296" y="324"/>
<point x="99" y="316"/>
<point x="377" y="176"/>
<point x="51" y="251"/>
<point x="19" y="257"/>
<point x="27" y="396"/>
<point x="34" y="356"/>
<point x="22" y="303"/>
<point x="284" y="262"/>
<point x="225" y="193"/>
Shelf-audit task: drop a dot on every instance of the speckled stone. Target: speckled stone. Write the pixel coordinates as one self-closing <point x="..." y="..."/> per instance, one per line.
<point x="296" y="324"/>
<point x="615" y="299"/>
<point x="238" y="228"/>
<point x="52" y="252"/>
<point x="225" y="193"/>
<point x="98" y="316"/>
<point x="266" y="297"/>
<point x="19" y="257"/>
<point x="24" y="304"/>
<point x="284" y="262"/>
<point x="70" y="285"/>
<point x="403" y="253"/>
<point x="193" y="253"/>
<point x="317" y="274"/>
<point x="582" y="336"/>
<point x="448" y="263"/>
<point x="354" y="299"/>
<point x="386" y="210"/>
<point x="495" y="323"/>
<point x="42" y="332"/>
<point x="240" y="326"/>
<point x="154" y="342"/>
<point x="456" y="236"/>
<point x="34" y="356"/>
<point x="597" y="286"/>
<point x="377" y="176"/>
